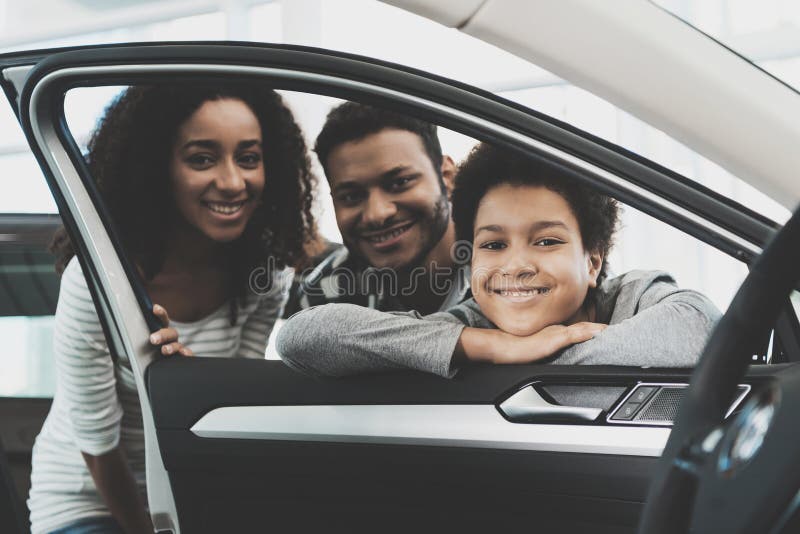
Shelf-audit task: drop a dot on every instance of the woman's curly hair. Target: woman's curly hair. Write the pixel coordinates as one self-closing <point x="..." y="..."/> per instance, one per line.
<point x="488" y="166"/>
<point x="129" y="158"/>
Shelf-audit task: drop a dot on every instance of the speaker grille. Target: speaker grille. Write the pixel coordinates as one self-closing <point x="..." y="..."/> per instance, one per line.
<point x="663" y="407"/>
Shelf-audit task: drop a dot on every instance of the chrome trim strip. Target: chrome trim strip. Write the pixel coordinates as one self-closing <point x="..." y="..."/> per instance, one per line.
<point x="598" y="172"/>
<point x="675" y="385"/>
<point x="468" y="426"/>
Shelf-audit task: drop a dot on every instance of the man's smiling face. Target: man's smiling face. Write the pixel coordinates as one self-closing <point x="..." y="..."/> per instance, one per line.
<point x="529" y="267"/>
<point x="388" y="198"/>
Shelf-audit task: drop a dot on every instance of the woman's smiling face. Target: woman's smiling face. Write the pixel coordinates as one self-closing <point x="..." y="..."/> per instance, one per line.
<point x="217" y="168"/>
<point x="529" y="267"/>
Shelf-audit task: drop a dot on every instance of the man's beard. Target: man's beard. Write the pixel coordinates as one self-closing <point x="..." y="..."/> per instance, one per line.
<point x="439" y="222"/>
<point x="436" y="225"/>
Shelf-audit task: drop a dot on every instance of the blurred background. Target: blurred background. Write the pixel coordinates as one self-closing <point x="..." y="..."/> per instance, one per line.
<point x="766" y="32"/>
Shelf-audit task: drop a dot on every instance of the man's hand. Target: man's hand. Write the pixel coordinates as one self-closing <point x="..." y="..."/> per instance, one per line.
<point x="496" y="346"/>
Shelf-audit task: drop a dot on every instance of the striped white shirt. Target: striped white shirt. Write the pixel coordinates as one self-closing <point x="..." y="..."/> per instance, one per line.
<point x="96" y="406"/>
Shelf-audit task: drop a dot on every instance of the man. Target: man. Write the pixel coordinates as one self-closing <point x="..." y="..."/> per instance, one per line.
<point x="390" y="185"/>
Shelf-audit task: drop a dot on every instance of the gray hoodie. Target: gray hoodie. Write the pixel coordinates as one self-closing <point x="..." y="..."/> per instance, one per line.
<point x="652" y="323"/>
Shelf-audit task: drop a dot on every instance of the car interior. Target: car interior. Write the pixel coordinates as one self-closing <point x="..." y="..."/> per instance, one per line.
<point x="28" y="288"/>
<point x="237" y="444"/>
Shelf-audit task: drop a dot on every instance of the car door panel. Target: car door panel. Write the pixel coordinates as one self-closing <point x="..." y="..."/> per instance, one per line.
<point x="444" y="480"/>
<point x="422" y="469"/>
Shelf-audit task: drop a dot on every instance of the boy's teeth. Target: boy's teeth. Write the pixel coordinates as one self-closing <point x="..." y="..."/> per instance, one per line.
<point x="525" y="293"/>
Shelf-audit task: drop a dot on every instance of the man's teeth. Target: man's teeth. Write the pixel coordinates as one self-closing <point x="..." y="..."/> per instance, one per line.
<point x="226" y="209"/>
<point x="524" y="293"/>
<point x="388" y="235"/>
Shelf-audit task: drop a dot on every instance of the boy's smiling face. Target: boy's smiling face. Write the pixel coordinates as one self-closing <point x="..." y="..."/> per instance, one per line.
<point x="529" y="267"/>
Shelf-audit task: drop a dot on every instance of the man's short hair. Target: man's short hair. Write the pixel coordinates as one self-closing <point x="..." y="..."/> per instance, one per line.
<point x="488" y="166"/>
<point x="352" y="121"/>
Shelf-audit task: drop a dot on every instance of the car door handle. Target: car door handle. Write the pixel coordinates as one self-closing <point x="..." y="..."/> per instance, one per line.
<point x="527" y="406"/>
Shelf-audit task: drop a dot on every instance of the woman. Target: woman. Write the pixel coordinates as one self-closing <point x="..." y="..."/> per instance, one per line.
<point x="206" y="185"/>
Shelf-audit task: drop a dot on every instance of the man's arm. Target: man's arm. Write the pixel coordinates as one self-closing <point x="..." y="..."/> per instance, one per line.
<point x="115" y="483"/>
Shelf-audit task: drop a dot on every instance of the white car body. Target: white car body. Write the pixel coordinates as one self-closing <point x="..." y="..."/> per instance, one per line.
<point x="650" y="63"/>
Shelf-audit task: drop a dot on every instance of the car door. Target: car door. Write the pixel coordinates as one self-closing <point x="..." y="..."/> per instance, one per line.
<point x="253" y="445"/>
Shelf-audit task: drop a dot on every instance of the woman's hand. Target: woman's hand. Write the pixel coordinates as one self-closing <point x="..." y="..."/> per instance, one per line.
<point x="167" y="337"/>
<point x="496" y="346"/>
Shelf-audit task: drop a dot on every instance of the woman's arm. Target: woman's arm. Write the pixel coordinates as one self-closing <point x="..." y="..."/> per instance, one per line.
<point x="114" y="481"/>
<point x="87" y="385"/>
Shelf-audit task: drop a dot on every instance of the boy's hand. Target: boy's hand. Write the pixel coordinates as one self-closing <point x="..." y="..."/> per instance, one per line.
<point x="496" y="346"/>
<point x="545" y="342"/>
<point x="167" y="337"/>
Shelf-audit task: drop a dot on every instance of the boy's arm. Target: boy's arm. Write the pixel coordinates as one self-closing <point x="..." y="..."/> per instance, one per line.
<point x="345" y="339"/>
<point x="671" y="331"/>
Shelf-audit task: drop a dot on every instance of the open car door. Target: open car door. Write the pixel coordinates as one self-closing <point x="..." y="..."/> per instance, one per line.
<point x="253" y="445"/>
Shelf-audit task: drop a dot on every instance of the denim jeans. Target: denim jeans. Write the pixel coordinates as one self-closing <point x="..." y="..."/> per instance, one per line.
<point x="92" y="525"/>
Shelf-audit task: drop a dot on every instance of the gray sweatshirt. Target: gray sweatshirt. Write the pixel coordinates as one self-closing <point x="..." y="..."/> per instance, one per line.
<point x="651" y="323"/>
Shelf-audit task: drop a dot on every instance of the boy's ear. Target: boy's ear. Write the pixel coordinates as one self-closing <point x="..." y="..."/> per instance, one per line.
<point x="448" y="173"/>
<point x="595" y="264"/>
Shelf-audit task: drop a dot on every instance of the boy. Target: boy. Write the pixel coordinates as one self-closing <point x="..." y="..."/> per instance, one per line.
<point x="539" y="248"/>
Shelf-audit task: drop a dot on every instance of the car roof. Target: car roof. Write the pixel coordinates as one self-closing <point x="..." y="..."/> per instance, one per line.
<point x="652" y="64"/>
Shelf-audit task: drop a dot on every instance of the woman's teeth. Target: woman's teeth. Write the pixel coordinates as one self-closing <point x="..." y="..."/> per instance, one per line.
<point x="225" y="208"/>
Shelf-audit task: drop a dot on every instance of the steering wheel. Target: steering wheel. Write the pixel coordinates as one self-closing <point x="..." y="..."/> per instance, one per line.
<point x="740" y="475"/>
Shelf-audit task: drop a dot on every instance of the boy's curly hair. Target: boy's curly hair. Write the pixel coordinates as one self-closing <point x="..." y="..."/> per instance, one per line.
<point x="488" y="166"/>
<point x="129" y="159"/>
